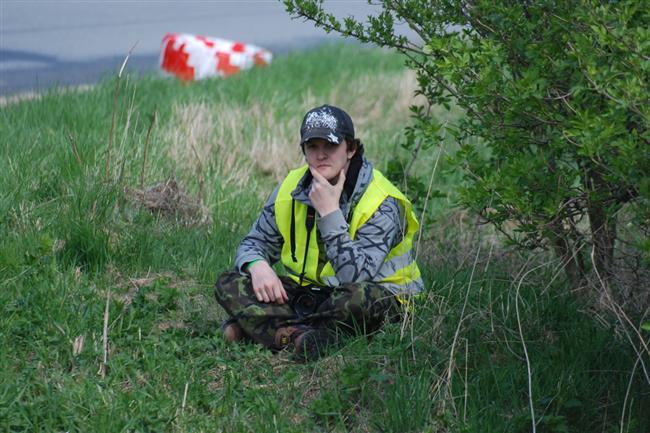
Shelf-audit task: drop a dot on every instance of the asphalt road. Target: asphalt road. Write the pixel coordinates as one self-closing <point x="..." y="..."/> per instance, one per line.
<point x="45" y="43"/>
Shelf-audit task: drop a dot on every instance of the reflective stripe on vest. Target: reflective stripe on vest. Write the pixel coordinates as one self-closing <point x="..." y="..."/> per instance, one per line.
<point x="399" y="272"/>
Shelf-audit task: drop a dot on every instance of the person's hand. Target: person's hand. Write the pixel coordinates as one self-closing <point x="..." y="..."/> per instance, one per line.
<point x="323" y="195"/>
<point x="266" y="284"/>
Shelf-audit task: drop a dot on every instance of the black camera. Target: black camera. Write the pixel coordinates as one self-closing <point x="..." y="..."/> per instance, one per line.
<point x="307" y="303"/>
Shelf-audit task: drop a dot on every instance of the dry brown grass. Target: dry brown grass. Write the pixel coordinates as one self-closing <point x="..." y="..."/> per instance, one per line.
<point x="237" y="141"/>
<point x="6" y="100"/>
<point x="377" y="101"/>
<point x="234" y="141"/>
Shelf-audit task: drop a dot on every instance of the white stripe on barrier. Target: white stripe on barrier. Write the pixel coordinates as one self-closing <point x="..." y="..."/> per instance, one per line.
<point x="193" y="57"/>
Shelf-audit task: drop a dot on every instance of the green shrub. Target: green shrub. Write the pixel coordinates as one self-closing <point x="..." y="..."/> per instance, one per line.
<point x="554" y="145"/>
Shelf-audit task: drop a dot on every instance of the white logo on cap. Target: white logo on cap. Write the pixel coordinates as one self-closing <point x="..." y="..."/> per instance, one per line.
<point x="321" y="119"/>
<point x="333" y="138"/>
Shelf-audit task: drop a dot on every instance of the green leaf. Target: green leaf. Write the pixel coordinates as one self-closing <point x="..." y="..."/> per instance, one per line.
<point x="646" y="326"/>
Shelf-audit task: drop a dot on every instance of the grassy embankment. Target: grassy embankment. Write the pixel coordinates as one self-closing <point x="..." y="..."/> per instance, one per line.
<point x="72" y="239"/>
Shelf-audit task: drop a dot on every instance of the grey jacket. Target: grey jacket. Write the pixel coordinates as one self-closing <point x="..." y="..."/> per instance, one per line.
<point x="353" y="261"/>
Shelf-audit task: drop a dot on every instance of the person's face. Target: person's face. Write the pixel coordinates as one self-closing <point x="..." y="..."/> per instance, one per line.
<point x="328" y="158"/>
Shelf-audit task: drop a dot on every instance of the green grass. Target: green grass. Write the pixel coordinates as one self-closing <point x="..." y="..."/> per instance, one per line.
<point x="70" y="238"/>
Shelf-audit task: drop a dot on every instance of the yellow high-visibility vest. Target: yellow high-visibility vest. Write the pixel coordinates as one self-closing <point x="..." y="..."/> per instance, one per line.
<point x="399" y="270"/>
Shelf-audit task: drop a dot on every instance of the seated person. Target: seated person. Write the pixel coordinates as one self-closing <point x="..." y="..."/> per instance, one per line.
<point x="344" y="235"/>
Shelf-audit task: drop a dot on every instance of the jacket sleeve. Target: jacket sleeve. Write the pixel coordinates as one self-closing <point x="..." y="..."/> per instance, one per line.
<point x="264" y="240"/>
<point x="360" y="259"/>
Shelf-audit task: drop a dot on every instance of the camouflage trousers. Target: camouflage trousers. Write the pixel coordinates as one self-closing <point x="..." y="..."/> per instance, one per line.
<point x="352" y="308"/>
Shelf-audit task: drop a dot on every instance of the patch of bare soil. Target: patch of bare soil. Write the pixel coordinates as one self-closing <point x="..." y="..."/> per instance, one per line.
<point x="169" y="200"/>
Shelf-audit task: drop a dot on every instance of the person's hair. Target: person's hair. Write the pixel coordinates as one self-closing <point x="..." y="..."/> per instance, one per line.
<point x="354" y="143"/>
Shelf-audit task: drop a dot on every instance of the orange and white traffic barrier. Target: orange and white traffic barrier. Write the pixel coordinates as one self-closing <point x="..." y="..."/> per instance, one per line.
<point x="192" y="57"/>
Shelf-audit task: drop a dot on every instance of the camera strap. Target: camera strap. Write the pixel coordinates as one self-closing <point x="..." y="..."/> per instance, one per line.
<point x="309" y="225"/>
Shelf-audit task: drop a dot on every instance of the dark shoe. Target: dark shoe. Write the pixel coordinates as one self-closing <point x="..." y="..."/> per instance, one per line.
<point x="232" y="331"/>
<point x="313" y="343"/>
<point x="286" y="336"/>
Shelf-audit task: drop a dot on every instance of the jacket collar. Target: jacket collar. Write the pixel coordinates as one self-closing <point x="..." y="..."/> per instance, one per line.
<point x="348" y="199"/>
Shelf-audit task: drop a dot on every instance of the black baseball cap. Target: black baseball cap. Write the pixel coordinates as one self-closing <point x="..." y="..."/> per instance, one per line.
<point x="326" y="122"/>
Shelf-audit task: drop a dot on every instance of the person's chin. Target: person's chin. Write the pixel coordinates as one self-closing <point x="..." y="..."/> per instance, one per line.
<point x="326" y="172"/>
